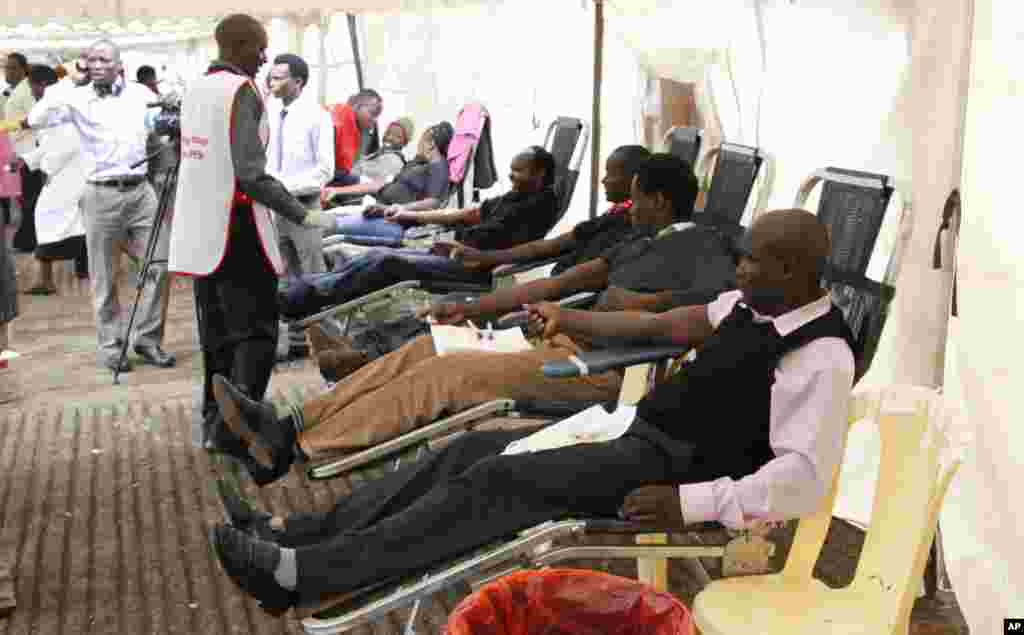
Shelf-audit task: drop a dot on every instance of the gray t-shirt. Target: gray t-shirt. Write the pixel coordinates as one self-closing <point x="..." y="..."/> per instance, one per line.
<point x="695" y="263"/>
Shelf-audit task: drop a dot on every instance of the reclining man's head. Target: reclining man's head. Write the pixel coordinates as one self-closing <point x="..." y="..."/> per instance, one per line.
<point x="781" y="261"/>
<point x="620" y="167"/>
<point x="433" y="144"/>
<point x="398" y="134"/>
<point x="532" y="170"/>
<point x="663" y="192"/>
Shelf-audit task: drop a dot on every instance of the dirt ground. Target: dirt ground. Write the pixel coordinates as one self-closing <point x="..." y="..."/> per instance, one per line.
<point x="106" y="500"/>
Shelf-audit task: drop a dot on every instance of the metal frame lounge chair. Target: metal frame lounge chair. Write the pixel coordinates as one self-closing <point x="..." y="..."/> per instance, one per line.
<point x="684" y="143"/>
<point x="734" y="170"/>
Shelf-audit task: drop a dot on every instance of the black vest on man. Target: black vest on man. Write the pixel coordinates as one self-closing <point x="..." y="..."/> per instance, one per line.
<point x="721" y="402"/>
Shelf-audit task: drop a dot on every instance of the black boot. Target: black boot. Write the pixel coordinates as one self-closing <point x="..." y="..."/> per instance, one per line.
<point x="241" y="515"/>
<point x="268" y="443"/>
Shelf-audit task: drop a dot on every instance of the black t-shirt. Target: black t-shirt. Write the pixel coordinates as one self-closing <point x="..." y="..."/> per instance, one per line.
<point x="511" y="219"/>
<point x="417" y="180"/>
<point x="696" y="263"/>
<point x="593" y="238"/>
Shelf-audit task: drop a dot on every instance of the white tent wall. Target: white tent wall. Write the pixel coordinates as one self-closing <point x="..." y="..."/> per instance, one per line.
<point x="987" y="350"/>
<point x="881" y="86"/>
<point x="878" y="85"/>
<point x="527" y="61"/>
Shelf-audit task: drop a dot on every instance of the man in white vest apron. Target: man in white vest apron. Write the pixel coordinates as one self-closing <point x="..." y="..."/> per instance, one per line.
<point x="223" y="234"/>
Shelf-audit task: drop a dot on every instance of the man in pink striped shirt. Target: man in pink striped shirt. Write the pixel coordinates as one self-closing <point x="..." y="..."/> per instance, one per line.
<point x="750" y="430"/>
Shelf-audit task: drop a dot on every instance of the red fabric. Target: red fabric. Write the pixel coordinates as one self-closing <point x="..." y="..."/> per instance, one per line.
<point x="569" y="602"/>
<point x="620" y="208"/>
<point x="346" y="136"/>
<point x="10" y="182"/>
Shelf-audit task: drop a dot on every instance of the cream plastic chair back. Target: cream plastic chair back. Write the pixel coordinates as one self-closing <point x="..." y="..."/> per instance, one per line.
<point x="918" y="460"/>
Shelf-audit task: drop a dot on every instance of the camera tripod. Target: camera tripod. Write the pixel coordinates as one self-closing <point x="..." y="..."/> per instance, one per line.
<point x="169" y="185"/>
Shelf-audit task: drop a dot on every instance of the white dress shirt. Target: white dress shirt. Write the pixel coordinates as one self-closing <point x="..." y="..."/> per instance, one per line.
<point x="18" y="106"/>
<point x="300" y="152"/>
<point x="113" y="128"/>
<point x="809" y="407"/>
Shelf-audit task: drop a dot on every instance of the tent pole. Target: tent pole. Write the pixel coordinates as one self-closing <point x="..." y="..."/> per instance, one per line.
<point x="355" y="49"/>
<point x="321" y="88"/>
<point x="595" y="130"/>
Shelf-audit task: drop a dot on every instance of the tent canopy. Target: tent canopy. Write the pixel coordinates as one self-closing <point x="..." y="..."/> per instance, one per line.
<point x="876" y="85"/>
<point x="96" y="12"/>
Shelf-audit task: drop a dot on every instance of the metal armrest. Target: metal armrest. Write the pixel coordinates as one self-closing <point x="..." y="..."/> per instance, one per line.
<point x="607" y="359"/>
<point x="460" y="290"/>
<point x="353" y="305"/>
<point x="616" y="526"/>
<point x="419" y="232"/>
<point x="513" y="269"/>
<point x="582" y="300"/>
<point x="461" y="421"/>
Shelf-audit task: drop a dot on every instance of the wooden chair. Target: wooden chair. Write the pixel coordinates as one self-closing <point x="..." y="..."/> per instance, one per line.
<point x="918" y="460"/>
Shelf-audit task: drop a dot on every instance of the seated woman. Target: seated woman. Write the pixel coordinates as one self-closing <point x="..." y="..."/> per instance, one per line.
<point x="422" y="184"/>
<point x="388" y="161"/>
<point x="524" y="214"/>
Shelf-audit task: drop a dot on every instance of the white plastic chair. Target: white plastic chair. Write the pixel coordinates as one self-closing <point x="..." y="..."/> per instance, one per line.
<point x="918" y="460"/>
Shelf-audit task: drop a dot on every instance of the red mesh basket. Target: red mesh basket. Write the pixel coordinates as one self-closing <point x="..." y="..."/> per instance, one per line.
<point x="569" y="601"/>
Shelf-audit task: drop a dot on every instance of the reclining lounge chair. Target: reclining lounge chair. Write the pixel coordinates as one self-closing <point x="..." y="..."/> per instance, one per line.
<point x="733" y="170"/>
<point x="684" y="143"/>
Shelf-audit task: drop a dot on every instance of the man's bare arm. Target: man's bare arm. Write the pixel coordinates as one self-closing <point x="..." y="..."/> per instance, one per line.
<point x="533" y="250"/>
<point x="438" y="216"/>
<point x="589" y="276"/>
<point x="685" y="326"/>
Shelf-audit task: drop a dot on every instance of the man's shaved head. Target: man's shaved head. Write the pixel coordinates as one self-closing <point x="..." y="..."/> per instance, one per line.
<point x="242" y="41"/>
<point x="795" y="235"/>
<point x="782" y="259"/>
<point x="235" y="30"/>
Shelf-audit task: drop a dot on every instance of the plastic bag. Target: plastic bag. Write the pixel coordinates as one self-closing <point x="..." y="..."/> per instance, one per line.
<point x="569" y="601"/>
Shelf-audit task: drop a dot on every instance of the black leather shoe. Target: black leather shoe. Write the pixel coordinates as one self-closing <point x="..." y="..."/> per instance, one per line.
<point x="268" y="441"/>
<point x="222" y="439"/>
<point x="250" y="563"/>
<point x="155" y="355"/>
<point x="110" y="363"/>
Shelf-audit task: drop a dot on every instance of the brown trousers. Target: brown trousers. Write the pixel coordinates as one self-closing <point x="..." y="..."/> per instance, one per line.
<point x="412" y="386"/>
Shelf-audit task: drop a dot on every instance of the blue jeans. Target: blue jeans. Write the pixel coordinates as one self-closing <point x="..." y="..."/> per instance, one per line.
<point x="369" y="272"/>
<point x="372" y="231"/>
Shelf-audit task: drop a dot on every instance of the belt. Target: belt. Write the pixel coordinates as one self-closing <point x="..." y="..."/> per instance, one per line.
<point x="121" y="183"/>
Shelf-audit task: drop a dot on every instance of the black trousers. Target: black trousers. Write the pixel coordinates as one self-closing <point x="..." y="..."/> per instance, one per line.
<point x="466" y="496"/>
<point x="237" y="311"/>
<point x="31" y="186"/>
<point x="72" y="248"/>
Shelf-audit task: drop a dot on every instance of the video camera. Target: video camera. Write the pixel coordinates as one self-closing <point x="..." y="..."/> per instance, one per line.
<point x="167" y="122"/>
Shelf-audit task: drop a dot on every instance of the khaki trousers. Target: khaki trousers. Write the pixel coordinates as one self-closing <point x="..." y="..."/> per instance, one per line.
<point x="413" y="386"/>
